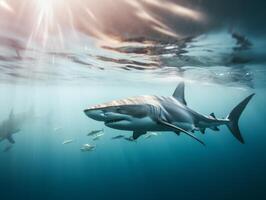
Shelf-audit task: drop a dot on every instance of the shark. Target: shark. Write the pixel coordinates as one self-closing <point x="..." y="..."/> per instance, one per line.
<point x="12" y="125"/>
<point x="147" y="113"/>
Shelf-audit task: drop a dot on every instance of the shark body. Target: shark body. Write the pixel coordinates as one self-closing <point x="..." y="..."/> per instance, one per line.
<point x="157" y="113"/>
<point x="12" y="125"/>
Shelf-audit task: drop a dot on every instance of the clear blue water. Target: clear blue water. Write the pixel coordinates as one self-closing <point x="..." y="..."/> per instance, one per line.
<point x="58" y="82"/>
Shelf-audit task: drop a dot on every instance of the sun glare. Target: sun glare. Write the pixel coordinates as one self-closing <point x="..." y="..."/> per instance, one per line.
<point x="47" y="10"/>
<point x="49" y="4"/>
<point x="47" y="19"/>
<point x="5" y="5"/>
<point x="57" y="18"/>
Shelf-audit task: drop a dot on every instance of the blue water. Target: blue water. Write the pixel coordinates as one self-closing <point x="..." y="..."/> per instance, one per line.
<point x="221" y="61"/>
<point x="166" y="166"/>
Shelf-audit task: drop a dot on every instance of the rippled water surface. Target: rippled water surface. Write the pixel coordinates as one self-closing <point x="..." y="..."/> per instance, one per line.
<point x="213" y="58"/>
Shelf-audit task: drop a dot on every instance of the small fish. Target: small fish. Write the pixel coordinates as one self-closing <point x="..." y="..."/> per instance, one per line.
<point x="87" y="147"/>
<point x="56" y="129"/>
<point x="118" y="137"/>
<point x="129" y="139"/>
<point x="98" y="136"/>
<point x="94" y="132"/>
<point x="68" y="141"/>
<point x="151" y="134"/>
<point x="7" y="148"/>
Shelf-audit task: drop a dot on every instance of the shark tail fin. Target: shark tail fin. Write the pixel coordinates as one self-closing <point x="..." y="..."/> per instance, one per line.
<point x="234" y="118"/>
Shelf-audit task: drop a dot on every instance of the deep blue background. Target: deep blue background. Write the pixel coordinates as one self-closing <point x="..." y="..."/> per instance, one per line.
<point x="162" y="167"/>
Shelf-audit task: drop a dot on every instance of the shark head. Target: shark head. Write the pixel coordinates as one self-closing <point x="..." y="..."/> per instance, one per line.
<point x="122" y="117"/>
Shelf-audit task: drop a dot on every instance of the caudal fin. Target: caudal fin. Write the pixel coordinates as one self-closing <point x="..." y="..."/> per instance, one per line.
<point x="234" y="118"/>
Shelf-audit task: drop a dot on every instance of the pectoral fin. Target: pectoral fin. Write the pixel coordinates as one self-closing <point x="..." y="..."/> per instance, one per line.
<point x="177" y="132"/>
<point x="10" y="139"/>
<point x="202" y="130"/>
<point x="215" y="128"/>
<point x="180" y="130"/>
<point x="137" y="134"/>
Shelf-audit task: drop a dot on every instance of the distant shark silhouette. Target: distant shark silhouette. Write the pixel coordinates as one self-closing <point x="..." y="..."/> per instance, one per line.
<point x="12" y="125"/>
<point x="153" y="113"/>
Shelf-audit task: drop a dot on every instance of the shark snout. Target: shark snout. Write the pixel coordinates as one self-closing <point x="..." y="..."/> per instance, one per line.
<point x="106" y="116"/>
<point x="95" y="114"/>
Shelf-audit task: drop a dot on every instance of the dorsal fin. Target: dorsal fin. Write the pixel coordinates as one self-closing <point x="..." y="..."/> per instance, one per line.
<point x="179" y="93"/>
<point x="11" y="114"/>
<point x="213" y="115"/>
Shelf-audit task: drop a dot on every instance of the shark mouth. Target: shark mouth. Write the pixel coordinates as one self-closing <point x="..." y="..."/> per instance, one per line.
<point x="109" y="121"/>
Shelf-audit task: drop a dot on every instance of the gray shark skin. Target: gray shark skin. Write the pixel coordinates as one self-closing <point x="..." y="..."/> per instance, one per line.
<point x="12" y="125"/>
<point x="153" y="113"/>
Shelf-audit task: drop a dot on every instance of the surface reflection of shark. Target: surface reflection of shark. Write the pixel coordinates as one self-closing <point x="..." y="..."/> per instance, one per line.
<point x="12" y="125"/>
<point x="152" y="113"/>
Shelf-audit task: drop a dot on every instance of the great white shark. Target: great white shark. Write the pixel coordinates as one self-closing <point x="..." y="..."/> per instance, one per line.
<point x="12" y="125"/>
<point x="158" y="113"/>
